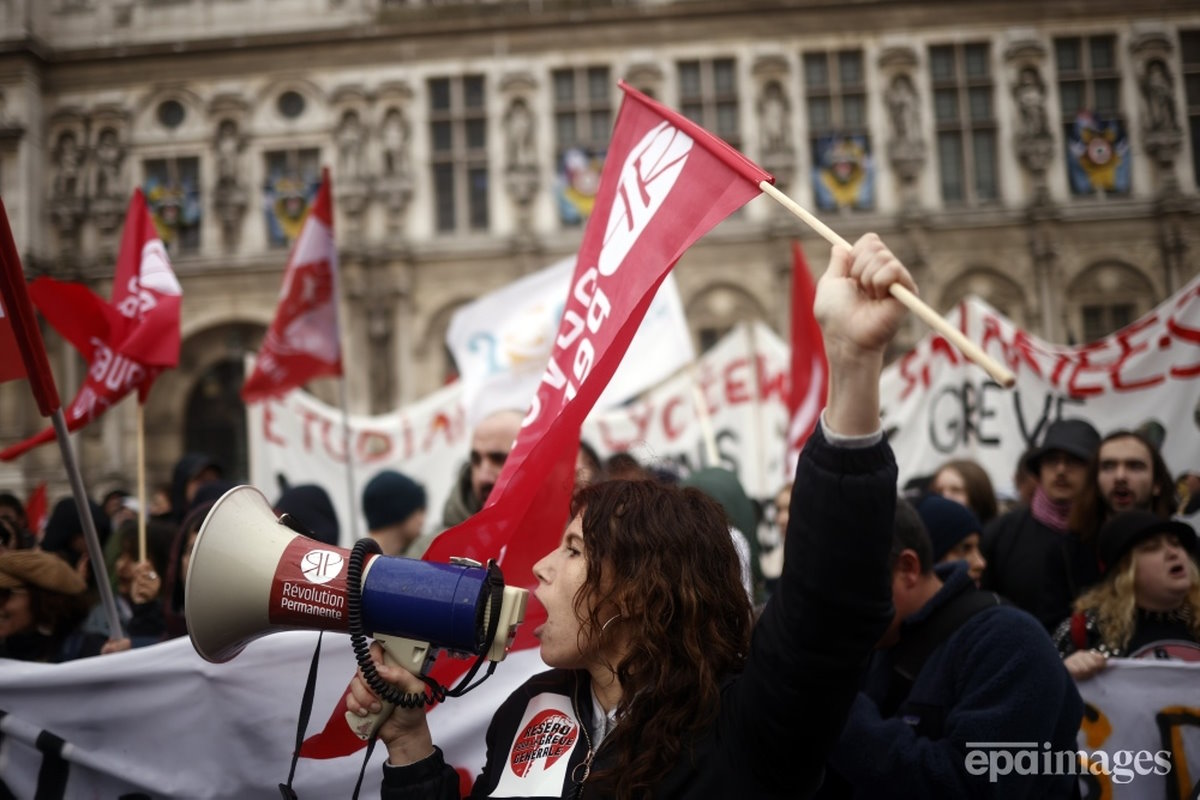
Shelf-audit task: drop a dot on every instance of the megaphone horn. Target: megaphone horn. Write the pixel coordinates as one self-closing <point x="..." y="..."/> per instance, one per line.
<point x="251" y="575"/>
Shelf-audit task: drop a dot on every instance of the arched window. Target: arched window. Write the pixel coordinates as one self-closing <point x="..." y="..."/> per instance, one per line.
<point x="1104" y="298"/>
<point x="999" y="291"/>
<point x="215" y="421"/>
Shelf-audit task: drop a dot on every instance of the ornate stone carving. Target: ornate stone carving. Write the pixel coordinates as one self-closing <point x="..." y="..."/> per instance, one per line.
<point x="353" y="184"/>
<point x="1034" y="142"/>
<point x="521" y="174"/>
<point x="395" y="184"/>
<point x="229" y="198"/>
<point x="906" y="148"/>
<point x="108" y="196"/>
<point x="67" y="203"/>
<point x="1162" y="133"/>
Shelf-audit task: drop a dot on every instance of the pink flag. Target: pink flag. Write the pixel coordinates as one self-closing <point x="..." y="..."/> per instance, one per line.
<point x="666" y="182"/>
<point x="128" y="341"/>
<point x="810" y="371"/>
<point x="303" y="342"/>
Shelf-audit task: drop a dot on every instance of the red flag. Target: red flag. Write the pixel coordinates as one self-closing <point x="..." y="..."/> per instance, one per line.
<point x="36" y="508"/>
<point x="126" y="342"/>
<point x="22" y="353"/>
<point x="303" y="342"/>
<point x="666" y="182"/>
<point x="11" y="366"/>
<point x="810" y="370"/>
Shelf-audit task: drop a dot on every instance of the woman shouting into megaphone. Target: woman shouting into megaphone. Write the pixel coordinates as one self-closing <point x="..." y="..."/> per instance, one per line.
<point x="661" y="684"/>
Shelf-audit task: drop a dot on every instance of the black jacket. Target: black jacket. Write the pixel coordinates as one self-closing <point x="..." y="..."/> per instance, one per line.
<point x="781" y="715"/>
<point x="1017" y="548"/>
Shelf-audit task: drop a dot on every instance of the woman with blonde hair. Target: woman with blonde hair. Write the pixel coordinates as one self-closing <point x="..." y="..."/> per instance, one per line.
<point x="1147" y="605"/>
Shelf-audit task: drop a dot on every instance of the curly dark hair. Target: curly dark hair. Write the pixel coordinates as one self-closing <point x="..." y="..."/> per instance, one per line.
<point x="661" y="558"/>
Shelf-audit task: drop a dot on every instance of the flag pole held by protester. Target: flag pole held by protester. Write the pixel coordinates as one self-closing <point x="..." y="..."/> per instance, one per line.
<point x="17" y="310"/>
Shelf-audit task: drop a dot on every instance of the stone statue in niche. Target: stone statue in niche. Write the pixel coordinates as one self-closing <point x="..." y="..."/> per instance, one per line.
<point x="68" y="158"/>
<point x="773" y="119"/>
<point x="901" y="99"/>
<point x="350" y="147"/>
<point x="518" y="127"/>
<point x="1159" y="92"/>
<point x="109" y="155"/>
<point x="395" y="134"/>
<point x="1030" y="94"/>
<point x="228" y="146"/>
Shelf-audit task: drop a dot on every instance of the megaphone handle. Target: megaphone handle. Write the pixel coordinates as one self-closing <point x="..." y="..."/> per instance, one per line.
<point x="414" y="656"/>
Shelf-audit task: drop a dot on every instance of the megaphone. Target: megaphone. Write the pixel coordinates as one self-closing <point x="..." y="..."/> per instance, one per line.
<point x="251" y="575"/>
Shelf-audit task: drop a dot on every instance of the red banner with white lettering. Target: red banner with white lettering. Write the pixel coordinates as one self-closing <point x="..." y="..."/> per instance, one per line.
<point x="810" y="370"/>
<point x="128" y="341"/>
<point x="303" y="342"/>
<point x="666" y="182"/>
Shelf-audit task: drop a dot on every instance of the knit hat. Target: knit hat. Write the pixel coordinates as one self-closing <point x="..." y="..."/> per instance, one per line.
<point x="948" y="523"/>
<point x="390" y="498"/>
<point x="41" y="569"/>
<point x="310" y="505"/>
<point x="1125" y="530"/>
<point x="1075" y="437"/>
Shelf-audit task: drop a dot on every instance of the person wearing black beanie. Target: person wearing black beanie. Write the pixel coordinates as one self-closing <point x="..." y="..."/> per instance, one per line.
<point x="954" y="531"/>
<point x="310" y="505"/>
<point x="64" y="531"/>
<point x="394" y="505"/>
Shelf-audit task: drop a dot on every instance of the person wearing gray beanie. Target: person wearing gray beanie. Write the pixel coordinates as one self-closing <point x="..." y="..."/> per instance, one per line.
<point x="394" y="505"/>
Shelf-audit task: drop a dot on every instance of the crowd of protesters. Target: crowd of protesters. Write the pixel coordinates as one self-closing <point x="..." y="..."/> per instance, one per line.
<point x="1092" y="556"/>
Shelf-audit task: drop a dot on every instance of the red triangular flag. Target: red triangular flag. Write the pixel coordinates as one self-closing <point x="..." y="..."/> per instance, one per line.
<point x="22" y="353"/>
<point x="810" y="370"/>
<point x="303" y="342"/>
<point x="666" y="182"/>
<point x="127" y="342"/>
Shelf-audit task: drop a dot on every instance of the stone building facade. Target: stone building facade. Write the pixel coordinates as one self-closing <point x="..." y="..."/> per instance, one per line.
<point x="1043" y="155"/>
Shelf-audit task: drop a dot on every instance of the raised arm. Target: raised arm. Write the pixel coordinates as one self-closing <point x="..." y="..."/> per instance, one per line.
<point x="834" y="599"/>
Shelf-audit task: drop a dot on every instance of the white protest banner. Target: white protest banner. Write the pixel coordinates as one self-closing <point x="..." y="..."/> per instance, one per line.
<point x="1141" y="730"/>
<point x="744" y="381"/>
<point x="299" y="439"/>
<point x="501" y="342"/>
<point x="159" y="721"/>
<point x="938" y="406"/>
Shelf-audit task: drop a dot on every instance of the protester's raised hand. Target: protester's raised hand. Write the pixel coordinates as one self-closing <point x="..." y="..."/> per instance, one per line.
<point x="858" y="318"/>
<point x="405" y="732"/>
<point x="853" y="305"/>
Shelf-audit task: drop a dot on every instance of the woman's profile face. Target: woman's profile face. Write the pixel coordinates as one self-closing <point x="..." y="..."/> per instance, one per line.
<point x="560" y="575"/>
<point x="1162" y="574"/>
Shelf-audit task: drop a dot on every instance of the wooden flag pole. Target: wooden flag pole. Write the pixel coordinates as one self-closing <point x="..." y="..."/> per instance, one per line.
<point x="141" y="481"/>
<point x="1001" y="374"/>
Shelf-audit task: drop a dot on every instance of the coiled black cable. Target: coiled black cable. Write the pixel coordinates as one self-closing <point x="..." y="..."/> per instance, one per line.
<point x="362" y="648"/>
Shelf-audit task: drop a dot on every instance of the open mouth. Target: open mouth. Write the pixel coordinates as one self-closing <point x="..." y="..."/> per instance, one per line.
<point x="1177" y="571"/>
<point x="1121" y="498"/>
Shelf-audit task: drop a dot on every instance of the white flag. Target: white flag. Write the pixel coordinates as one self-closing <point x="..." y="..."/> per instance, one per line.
<point x="502" y="340"/>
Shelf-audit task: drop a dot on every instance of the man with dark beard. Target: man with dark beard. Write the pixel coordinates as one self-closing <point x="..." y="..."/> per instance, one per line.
<point x="490" y="443"/>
